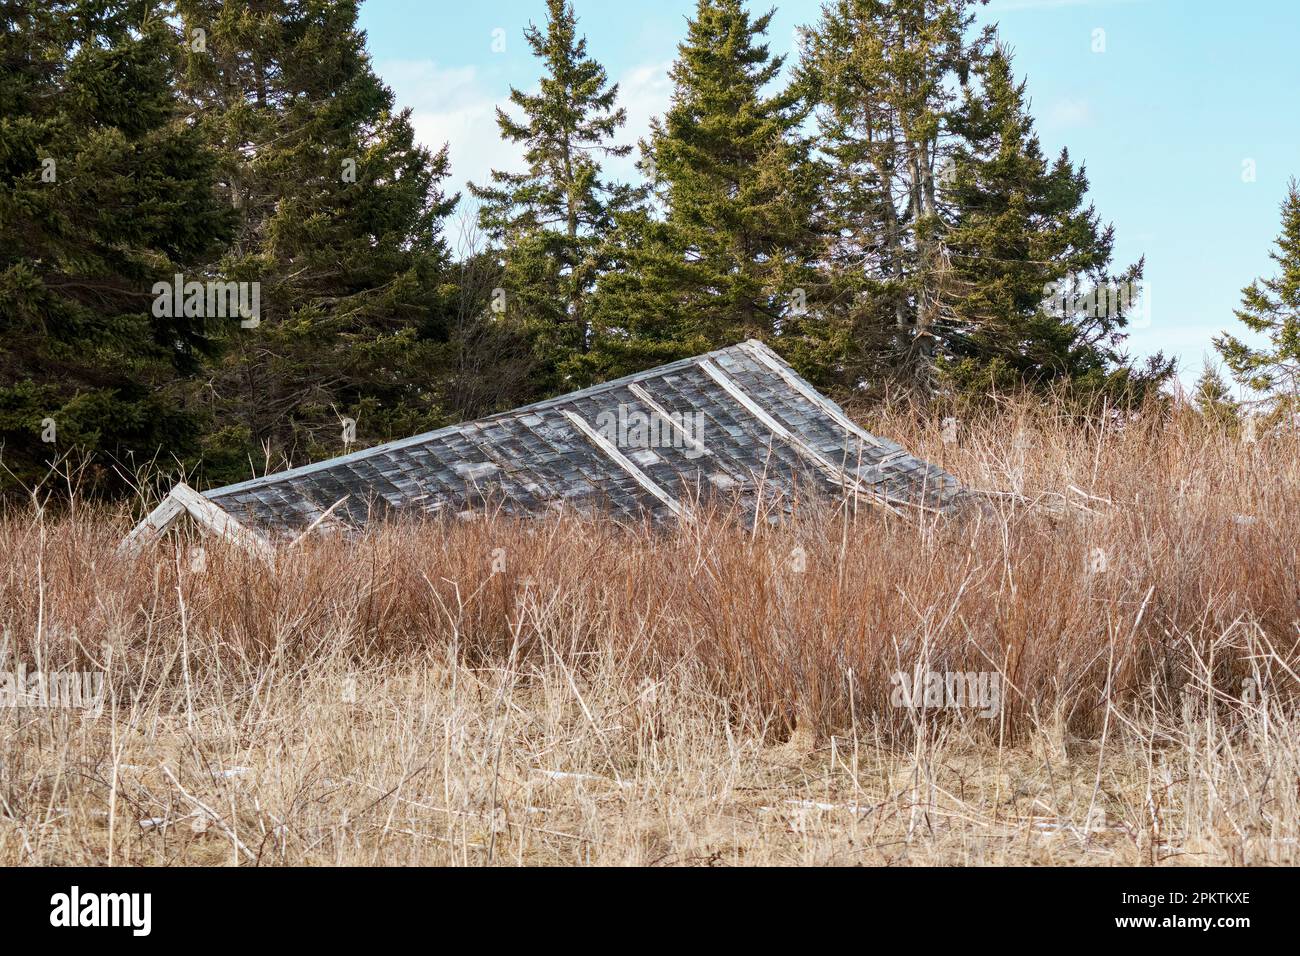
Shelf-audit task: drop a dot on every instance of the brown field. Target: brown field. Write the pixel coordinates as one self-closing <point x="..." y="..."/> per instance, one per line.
<point x="590" y="694"/>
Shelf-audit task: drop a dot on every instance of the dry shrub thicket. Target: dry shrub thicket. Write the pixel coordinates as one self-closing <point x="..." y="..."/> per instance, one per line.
<point x="571" y="691"/>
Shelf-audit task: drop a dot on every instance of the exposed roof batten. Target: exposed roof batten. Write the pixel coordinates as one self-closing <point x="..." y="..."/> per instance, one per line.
<point x="737" y="421"/>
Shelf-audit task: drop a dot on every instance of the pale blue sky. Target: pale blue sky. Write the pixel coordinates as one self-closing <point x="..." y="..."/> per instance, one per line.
<point x="1184" y="96"/>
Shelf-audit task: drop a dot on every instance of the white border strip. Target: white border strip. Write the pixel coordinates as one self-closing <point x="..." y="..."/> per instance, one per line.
<point x="644" y="480"/>
<point x="839" y="475"/>
<point x="760" y="352"/>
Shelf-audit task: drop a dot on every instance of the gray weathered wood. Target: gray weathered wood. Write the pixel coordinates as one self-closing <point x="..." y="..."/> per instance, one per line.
<point x="644" y="480"/>
<point x="832" y="470"/>
<point x="529" y="461"/>
<point x="760" y="352"/>
<point x="221" y="523"/>
<point x="154" y="524"/>
<point x="185" y="500"/>
<point x="324" y="515"/>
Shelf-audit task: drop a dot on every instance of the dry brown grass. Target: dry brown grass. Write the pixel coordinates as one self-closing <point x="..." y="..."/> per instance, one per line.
<point x="621" y="696"/>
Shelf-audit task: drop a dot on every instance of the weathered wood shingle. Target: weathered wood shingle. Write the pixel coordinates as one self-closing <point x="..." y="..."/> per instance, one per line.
<point x="762" y="430"/>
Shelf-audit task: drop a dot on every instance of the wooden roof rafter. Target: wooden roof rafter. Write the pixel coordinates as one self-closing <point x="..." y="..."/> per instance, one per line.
<point x="182" y="500"/>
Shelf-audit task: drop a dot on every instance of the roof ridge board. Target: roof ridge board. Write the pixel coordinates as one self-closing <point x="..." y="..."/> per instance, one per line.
<point x="547" y="404"/>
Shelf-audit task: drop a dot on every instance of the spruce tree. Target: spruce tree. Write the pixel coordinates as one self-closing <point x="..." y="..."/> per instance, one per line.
<point x="944" y="227"/>
<point x="884" y="76"/>
<point x="104" y="194"/>
<point x="340" y="220"/>
<point x="550" y="222"/>
<point x="727" y="260"/>
<point x="1029" y="299"/>
<point x="1213" y="400"/>
<point x="1270" y="308"/>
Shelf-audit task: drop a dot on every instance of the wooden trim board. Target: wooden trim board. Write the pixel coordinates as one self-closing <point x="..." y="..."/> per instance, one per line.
<point x="182" y="500"/>
<point x="642" y="479"/>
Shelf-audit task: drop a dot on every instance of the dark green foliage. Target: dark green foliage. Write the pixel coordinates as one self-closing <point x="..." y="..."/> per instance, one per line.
<point x="944" y="227"/>
<point x="884" y="76"/>
<point x="884" y="216"/>
<point x="1213" y="399"/>
<point x="550" y="221"/>
<point x="103" y="193"/>
<point x="728" y="259"/>
<point x="1029" y="301"/>
<point x="339" y="220"/>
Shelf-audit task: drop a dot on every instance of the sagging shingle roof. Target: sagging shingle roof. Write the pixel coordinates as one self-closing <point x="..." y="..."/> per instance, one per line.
<point x="736" y="422"/>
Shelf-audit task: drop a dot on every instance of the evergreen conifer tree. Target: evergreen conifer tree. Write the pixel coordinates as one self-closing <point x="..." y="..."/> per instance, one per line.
<point x="340" y="221"/>
<point x="1213" y="400"/>
<point x="1270" y="308"/>
<point x="884" y="75"/>
<point x="943" y="226"/>
<point x="727" y="260"/>
<point x="1029" y="299"/>
<point x="551" y="221"/>
<point x="103" y="193"/>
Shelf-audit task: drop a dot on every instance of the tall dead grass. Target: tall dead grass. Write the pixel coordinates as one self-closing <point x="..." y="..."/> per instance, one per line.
<point x="577" y="691"/>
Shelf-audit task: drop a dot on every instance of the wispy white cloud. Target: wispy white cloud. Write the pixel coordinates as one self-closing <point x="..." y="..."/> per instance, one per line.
<point x="457" y="105"/>
<point x="452" y="105"/>
<point x="645" y="91"/>
<point x="1069" y="114"/>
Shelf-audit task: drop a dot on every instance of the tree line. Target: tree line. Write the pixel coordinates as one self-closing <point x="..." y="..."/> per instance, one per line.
<point x="879" y="210"/>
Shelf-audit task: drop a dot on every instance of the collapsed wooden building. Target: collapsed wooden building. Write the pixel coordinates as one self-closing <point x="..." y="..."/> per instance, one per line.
<point x="737" y="423"/>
